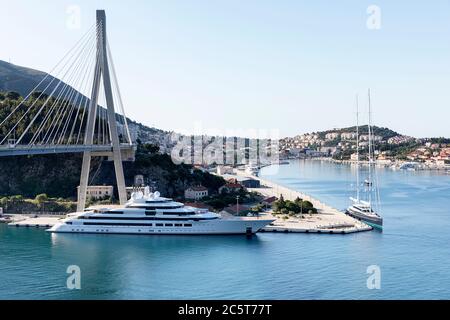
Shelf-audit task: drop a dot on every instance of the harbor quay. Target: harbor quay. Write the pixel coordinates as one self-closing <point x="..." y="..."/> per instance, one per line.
<point x="327" y="220"/>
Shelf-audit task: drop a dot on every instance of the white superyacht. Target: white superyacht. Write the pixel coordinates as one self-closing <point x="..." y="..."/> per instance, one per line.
<point x="148" y="213"/>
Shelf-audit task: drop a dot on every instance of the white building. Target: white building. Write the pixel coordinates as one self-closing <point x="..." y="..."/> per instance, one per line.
<point x="221" y="170"/>
<point x="331" y="136"/>
<point x="139" y="180"/>
<point x="195" y="193"/>
<point x="365" y="137"/>
<point x="97" y="192"/>
<point x="348" y="136"/>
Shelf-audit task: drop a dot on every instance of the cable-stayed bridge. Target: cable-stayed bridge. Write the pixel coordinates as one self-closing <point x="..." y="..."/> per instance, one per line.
<point x="76" y="108"/>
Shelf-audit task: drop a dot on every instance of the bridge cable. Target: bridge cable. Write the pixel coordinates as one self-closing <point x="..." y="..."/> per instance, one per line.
<point x="74" y="104"/>
<point x="116" y="84"/>
<point x="69" y="102"/>
<point x="48" y="74"/>
<point x="86" y="100"/>
<point x="30" y="108"/>
<point x="64" y="102"/>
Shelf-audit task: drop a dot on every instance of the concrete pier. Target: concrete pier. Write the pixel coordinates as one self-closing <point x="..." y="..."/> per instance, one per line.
<point x="328" y="220"/>
<point x="39" y="222"/>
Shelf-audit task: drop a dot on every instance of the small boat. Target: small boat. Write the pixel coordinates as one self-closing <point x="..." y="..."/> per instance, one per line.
<point x="409" y="166"/>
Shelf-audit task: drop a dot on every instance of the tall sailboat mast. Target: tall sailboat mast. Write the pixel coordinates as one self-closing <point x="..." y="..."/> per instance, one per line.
<point x="370" y="151"/>
<point x="357" y="148"/>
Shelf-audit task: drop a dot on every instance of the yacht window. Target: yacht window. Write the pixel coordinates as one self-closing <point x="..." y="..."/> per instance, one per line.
<point x="159" y="224"/>
<point x="153" y="207"/>
<point x="188" y="225"/>
<point x="169" y="225"/>
<point x="178" y="225"/>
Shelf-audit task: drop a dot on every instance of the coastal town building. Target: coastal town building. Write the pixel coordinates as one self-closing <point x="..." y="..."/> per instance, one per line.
<point x="97" y="192"/>
<point x="268" y="201"/>
<point x="139" y="180"/>
<point x="221" y="170"/>
<point x="348" y="135"/>
<point x="195" y="193"/>
<point x="230" y="187"/>
<point x="243" y="181"/>
<point x="329" y="151"/>
<point x="365" y="137"/>
<point x="234" y="210"/>
<point x="400" y="140"/>
<point x="332" y="136"/>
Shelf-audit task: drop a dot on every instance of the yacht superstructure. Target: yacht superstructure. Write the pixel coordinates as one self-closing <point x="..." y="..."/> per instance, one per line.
<point x="149" y="213"/>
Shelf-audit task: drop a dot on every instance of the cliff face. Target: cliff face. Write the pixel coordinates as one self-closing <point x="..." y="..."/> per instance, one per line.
<point x="58" y="175"/>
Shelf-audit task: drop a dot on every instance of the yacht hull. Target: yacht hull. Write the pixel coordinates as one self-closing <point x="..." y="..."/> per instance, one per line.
<point x="371" y="221"/>
<point x="219" y="227"/>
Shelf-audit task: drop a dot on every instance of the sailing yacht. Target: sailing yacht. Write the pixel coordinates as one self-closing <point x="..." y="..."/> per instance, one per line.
<point x="149" y="213"/>
<point x="363" y="209"/>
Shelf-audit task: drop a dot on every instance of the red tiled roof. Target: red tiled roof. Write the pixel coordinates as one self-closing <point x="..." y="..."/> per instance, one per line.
<point x="270" y="199"/>
<point x="233" y="185"/>
<point x="234" y="208"/>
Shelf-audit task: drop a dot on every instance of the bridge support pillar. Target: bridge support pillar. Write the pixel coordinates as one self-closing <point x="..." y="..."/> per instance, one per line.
<point x="101" y="69"/>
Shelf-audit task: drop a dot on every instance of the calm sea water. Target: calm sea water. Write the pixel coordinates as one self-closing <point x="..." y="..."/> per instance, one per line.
<point x="412" y="252"/>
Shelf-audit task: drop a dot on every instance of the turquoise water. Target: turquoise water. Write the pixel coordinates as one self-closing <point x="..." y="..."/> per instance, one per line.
<point x="412" y="252"/>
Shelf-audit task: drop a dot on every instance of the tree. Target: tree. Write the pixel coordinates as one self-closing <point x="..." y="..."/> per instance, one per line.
<point x="41" y="198"/>
<point x="279" y="204"/>
<point x="12" y="95"/>
<point x="17" y="198"/>
<point x="291" y="206"/>
<point x="298" y="201"/>
<point x="307" y="205"/>
<point x="39" y="95"/>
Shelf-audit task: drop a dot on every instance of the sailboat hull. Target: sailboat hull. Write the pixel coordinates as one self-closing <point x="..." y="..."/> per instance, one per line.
<point x="375" y="222"/>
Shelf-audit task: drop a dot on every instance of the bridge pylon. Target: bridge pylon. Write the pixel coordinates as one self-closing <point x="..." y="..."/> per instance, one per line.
<point x="102" y="72"/>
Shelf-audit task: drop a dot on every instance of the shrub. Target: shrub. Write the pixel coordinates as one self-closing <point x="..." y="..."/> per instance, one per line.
<point x="40" y="198"/>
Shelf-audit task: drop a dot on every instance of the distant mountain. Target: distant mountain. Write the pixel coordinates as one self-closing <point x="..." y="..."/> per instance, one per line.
<point x="23" y="80"/>
<point x="20" y="79"/>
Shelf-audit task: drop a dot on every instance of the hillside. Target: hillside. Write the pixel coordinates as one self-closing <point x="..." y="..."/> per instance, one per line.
<point x="20" y="79"/>
<point x="23" y="80"/>
<point x="58" y="175"/>
<point x="341" y="142"/>
<point x="385" y="133"/>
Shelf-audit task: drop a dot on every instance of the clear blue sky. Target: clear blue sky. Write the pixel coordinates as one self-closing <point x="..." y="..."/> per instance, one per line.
<point x="289" y="65"/>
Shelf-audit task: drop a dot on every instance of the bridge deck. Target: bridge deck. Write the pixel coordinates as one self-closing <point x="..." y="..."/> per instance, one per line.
<point x="51" y="149"/>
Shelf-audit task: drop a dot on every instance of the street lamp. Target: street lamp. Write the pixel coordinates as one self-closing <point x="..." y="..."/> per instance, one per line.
<point x="237" y="205"/>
